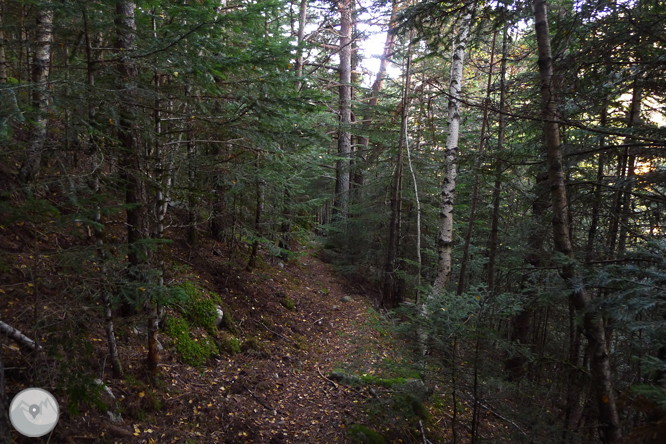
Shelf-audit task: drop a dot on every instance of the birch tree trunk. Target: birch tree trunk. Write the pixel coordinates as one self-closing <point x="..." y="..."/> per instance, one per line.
<point x="592" y="322"/>
<point x="445" y="240"/>
<point x="40" y="96"/>
<point x="341" y="207"/>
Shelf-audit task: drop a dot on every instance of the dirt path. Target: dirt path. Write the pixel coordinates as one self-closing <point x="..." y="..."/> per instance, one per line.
<point x="277" y="391"/>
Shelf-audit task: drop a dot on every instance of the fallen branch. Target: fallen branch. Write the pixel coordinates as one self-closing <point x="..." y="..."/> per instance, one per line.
<point x="276" y="333"/>
<point x="18" y="337"/>
<point x="504" y="419"/>
<point x="329" y="380"/>
<point x="256" y="398"/>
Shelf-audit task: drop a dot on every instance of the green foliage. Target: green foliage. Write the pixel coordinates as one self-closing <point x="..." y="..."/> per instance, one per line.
<point x="252" y="343"/>
<point x="288" y="303"/>
<point x="230" y="344"/>
<point x="82" y="391"/>
<point x="193" y="351"/>
<point x="361" y="434"/>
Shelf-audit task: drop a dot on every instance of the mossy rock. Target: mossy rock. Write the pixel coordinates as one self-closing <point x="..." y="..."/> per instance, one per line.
<point x="360" y="434"/>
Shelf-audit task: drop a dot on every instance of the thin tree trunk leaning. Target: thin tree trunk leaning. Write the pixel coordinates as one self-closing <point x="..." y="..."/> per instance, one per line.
<point x="445" y="239"/>
<point x="591" y="234"/>
<point x="633" y="119"/>
<point x="477" y="172"/>
<point x="40" y="96"/>
<point x="494" y="226"/>
<point x="592" y="322"/>
<point x="390" y="297"/>
<point x="418" y="219"/>
<point x="341" y="207"/>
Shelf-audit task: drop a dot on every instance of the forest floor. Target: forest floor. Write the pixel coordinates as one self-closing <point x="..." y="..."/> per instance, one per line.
<point x="295" y="322"/>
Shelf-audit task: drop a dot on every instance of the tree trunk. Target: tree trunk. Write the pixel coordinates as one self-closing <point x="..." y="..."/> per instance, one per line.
<point x="477" y="172"/>
<point x="445" y="240"/>
<point x="341" y="208"/>
<point x="389" y="297"/>
<point x="40" y="95"/>
<point x="5" y="429"/>
<point x="592" y="322"/>
<point x="192" y="224"/>
<point x="3" y="53"/>
<point x="302" y="17"/>
<point x="130" y="163"/>
<point x="494" y="226"/>
<point x="633" y="119"/>
<point x="252" y="263"/>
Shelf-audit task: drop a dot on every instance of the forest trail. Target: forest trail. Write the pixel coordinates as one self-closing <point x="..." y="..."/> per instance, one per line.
<point x="276" y="390"/>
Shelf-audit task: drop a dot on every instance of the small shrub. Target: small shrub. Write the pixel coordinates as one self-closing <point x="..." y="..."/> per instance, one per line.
<point x="288" y="303"/>
<point x="364" y="435"/>
<point x="252" y="343"/>
<point x="230" y="344"/>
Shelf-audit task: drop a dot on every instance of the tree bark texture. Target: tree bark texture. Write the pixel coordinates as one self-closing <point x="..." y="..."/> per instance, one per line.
<point x="445" y="239"/>
<point x="40" y="95"/>
<point x="601" y="373"/>
<point x="130" y="163"/>
<point x="341" y="208"/>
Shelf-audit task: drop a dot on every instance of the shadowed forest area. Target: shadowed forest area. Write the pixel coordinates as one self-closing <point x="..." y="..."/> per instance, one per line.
<point x="335" y="221"/>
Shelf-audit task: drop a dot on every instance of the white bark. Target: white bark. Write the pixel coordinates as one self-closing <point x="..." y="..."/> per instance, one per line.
<point x="40" y="97"/>
<point x="445" y="241"/>
<point x="18" y="337"/>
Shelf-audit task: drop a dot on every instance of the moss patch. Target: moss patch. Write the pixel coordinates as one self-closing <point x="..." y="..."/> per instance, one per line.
<point x="361" y="434"/>
<point x="192" y="349"/>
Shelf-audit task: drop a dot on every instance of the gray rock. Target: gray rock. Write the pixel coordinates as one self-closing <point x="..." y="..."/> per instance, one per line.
<point x="347" y="299"/>
<point x="220" y="316"/>
<point x="115" y="417"/>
